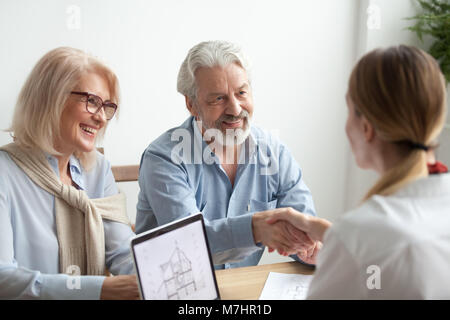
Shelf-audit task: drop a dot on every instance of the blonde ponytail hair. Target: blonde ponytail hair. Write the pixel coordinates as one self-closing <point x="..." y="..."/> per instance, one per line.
<point x="401" y="92"/>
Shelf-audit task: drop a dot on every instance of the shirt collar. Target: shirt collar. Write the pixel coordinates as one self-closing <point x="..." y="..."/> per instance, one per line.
<point x="75" y="168"/>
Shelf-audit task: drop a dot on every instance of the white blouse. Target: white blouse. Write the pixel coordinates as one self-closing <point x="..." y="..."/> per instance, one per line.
<point x="394" y="247"/>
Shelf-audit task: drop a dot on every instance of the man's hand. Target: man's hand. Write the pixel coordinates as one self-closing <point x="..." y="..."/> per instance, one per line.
<point x="280" y="236"/>
<point x="314" y="228"/>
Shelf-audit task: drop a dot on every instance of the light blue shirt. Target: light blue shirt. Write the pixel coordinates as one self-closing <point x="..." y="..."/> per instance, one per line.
<point x="29" y="259"/>
<point x="174" y="183"/>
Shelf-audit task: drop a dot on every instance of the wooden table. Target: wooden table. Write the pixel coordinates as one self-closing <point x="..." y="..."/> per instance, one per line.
<point x="247" y="283"/>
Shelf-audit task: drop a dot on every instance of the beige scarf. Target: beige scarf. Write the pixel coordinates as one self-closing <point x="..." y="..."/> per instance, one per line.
<point x="79" y="224"/>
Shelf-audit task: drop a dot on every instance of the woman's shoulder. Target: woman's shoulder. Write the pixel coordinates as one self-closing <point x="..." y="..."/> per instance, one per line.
<point x="10" y="174"/>
<point x="7" y="165"/>
<point x="368" y="212"/>
<point x="4" y="157"/>
<point x="384" y="224"/>
<point x="372" y="229"/>
<point x="377" y="212"/>
<point x="99" y="180"/>
<point x="101" y="162"/>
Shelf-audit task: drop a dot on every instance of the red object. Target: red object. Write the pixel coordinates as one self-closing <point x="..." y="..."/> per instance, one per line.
<point x="437" y="168"/>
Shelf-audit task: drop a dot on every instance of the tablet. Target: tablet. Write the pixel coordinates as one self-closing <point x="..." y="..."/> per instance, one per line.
<point x="173" y="262"/>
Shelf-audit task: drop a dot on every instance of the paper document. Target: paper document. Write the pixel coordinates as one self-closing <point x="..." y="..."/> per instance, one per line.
<point x="282" y="286"/>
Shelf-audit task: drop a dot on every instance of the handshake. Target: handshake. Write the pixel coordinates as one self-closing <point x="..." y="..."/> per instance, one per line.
<point x="290" y="232"/>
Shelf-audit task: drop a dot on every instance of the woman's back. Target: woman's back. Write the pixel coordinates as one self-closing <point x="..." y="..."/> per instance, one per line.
<point x="391" y="247"/>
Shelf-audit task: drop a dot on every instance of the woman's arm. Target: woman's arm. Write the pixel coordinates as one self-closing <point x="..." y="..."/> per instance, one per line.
<point x="17" y="282"/>
<point x="20" y="282"/>
<point x="117" y="235"/>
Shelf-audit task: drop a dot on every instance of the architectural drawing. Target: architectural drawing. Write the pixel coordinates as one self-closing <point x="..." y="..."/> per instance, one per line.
<point x="296" y="292"/>
<point x="178" y="276"/>
<point x="281" y="286"/>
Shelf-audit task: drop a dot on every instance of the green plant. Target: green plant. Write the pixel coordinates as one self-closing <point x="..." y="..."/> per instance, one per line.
<point x="435" y="22"/>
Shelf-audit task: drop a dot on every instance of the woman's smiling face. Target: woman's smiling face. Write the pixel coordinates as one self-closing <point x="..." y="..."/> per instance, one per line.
<point x="79" y="128"/>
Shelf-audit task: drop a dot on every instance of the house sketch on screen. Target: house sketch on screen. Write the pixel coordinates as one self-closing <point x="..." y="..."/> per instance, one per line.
<point x="178" y="276"/>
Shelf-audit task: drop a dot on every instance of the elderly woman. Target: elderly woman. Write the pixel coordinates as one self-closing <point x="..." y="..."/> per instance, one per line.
<point x="396" y="244"/>
<point x="62" y="220"/>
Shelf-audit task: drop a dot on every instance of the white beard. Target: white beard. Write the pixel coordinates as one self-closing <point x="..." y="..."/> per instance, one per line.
<point x="235" y="137"/>
<point x="232" y="137"/>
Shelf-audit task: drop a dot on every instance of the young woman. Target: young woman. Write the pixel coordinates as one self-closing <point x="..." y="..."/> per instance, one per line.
<point x="396" y="244"/>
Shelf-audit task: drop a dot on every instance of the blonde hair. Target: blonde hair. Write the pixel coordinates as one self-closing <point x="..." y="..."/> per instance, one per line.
<point x="41" y="101"/>
<point x="401" y="92"/>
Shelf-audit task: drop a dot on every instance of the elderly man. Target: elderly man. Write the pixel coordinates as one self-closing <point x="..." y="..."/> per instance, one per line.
<point x="219" y="164"/>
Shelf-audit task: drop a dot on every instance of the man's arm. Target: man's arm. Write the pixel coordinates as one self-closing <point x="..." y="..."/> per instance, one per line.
<point x="167" y="195"/>
<point x="293" y="192"/>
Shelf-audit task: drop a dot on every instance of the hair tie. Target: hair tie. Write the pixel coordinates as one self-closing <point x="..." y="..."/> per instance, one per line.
<point x="415" y="145"/>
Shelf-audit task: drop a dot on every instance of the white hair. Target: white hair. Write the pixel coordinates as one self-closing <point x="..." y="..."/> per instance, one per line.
<point x="208" y="54"/>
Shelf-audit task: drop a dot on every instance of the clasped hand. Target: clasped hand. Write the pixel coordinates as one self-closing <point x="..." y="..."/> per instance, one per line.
<point x="290" y="232"/>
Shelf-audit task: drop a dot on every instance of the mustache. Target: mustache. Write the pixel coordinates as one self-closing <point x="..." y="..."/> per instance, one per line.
<point x="229" y="118"/>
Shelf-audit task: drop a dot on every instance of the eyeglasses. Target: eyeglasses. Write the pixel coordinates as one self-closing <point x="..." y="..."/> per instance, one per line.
<point x="94" y="104"/>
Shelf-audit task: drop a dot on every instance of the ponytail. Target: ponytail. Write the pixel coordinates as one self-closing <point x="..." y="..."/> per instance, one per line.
<point x="412" y="167"/>
<point x="401" y="92"/>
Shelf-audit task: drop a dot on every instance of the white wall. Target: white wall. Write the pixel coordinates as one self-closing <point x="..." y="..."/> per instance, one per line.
<point x="391" y="30"/>
<point x="302" y="54"/>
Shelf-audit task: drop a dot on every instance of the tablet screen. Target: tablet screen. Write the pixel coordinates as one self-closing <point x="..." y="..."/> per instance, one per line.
<point x="176" y="265"/>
